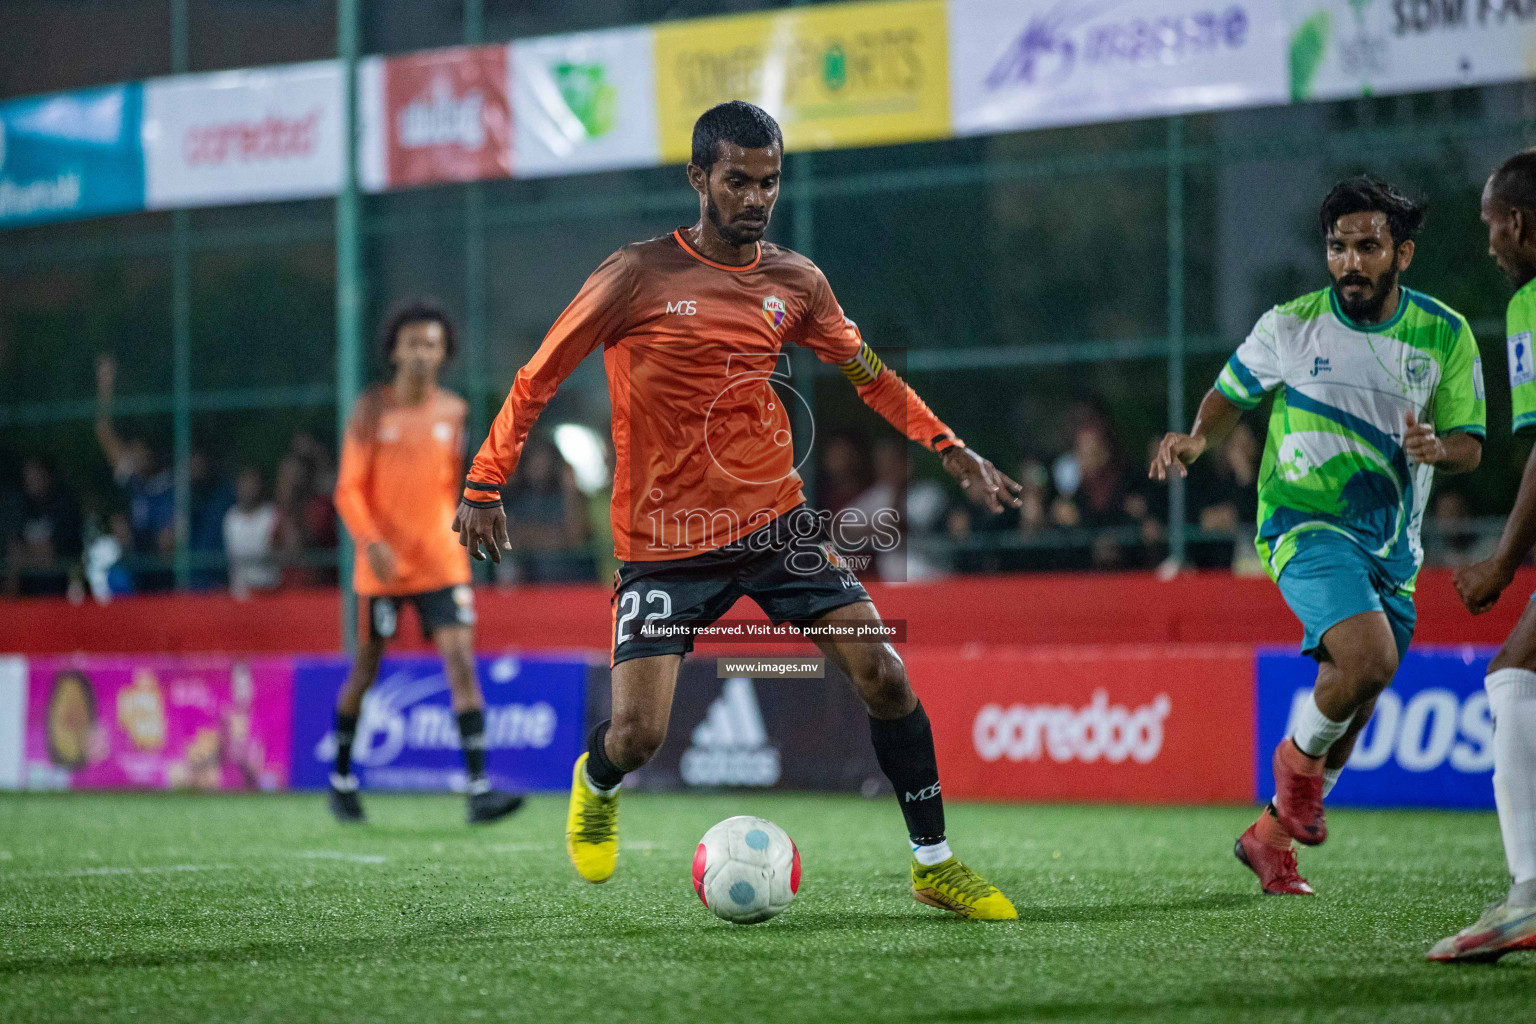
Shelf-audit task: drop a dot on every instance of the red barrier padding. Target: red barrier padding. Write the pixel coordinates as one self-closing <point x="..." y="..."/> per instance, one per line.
<point x="1087" y="608"/>
<point x="1156" y="724"/>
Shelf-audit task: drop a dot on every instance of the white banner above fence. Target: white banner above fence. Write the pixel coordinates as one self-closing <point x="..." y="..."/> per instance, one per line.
<point x="1017" y="64"/>
<point x="242" y="136"/>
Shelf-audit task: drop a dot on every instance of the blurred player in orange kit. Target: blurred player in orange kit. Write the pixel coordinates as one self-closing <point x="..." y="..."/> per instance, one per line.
<point x="707" y="503"/>
<point x="401" y="462"/>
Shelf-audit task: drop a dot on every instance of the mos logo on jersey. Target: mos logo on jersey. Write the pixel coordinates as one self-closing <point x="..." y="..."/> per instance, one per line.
<point x="773" y="311"/>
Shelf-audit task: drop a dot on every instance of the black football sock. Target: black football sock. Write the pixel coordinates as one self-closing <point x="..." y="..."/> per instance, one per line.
<point x="904" y="748"/>
<point x="346" y="732"/>
<point x="603" y="772"/>
<point x="472" y="743"/>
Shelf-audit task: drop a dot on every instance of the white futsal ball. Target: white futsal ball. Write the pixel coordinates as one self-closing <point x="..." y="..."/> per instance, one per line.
<point x="746" y="870"/>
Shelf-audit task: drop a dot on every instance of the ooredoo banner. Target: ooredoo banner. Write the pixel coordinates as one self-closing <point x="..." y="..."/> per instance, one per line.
<point x="1137" y="724"/>
<point x="408" y="737"/>
<point x="1018" y="64"/>
<point x="158" y="723"/>
<point x="243" y="136"/>
<point x="1429" y="744"/>
<point x="1344" y="48"/>
<point x="584" y="102"/>
<point x="447" y="116"/>
<point x="71" y="154"/>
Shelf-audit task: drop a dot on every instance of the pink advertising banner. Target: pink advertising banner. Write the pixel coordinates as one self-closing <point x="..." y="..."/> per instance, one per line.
<point x="158" y="723"/>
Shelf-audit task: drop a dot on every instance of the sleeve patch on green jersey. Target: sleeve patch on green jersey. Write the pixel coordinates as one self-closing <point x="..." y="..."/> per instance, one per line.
<point x="1477" y="379"/>
<point x="1522" y="366"/>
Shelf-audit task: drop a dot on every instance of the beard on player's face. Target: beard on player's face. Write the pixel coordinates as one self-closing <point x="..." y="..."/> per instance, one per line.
<point x="732" y="231"/>
<point x="1361" y="298"/>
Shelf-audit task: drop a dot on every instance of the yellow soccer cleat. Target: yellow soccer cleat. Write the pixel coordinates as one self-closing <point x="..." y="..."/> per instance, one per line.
<point x="591" y="828"/>
<point x="950" y="885"/>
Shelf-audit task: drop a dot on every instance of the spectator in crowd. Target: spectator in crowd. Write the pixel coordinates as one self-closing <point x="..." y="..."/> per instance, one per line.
<point x="212" y="498"/>
<point x="546" y="520"/>
<point x="306" y="514"/>
<point x="842" y="472"/>
<point x="1094" y="492"/>
<point x="879" y="520"/>
<point x="1222" y="498"/>
<point x="1451" y="536"/>
<point x="42" y="534"/>
<point x="144" y="477"/>
<point x="250" y="536"/>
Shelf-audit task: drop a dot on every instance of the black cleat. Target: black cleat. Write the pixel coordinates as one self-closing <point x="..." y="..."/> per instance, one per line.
<point x="492" y="805"/>
<point x="345" y="805"/>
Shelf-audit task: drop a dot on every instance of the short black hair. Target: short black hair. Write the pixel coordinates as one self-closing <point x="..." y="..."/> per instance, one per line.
<point x="1364" y="194"/>
<point x="414" y="312"/>
<point x="1514" y="183"/>
<point x="745" y="124"/>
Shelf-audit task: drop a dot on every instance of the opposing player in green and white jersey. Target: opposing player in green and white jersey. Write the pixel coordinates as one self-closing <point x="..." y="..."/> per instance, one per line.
<point x="1377" y="387"/>
<point x="1509" y="210"/>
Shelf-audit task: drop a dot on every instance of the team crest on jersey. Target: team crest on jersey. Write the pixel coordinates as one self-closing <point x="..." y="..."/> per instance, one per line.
<point x="773" y="311"/>
<point x="1417" y="369"/>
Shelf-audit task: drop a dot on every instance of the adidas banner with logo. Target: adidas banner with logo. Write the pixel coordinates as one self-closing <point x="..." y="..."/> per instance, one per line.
<point x="810" y="734"/>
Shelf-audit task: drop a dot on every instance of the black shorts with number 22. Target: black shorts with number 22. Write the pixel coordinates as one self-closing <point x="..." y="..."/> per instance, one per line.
<point x="789" y="567"/>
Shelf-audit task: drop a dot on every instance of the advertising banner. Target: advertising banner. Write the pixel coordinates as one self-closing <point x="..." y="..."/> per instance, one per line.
<point x="1429" y="744"/>
<point x="13" y="720"/>
<point x="835" y="75"/>
<point x="1016" y="65"/>
<point x="243" y="136"/>
<point x="447" y="116"/>
<point x="584" y="102"/>
<point x="1138" y="724"/>
<point x="408" y="738"/>
<point x="741" y="733"/>
<point x="71" y="154"/>
<point x="157" y="723"/>
<point x="1345" y="48"/>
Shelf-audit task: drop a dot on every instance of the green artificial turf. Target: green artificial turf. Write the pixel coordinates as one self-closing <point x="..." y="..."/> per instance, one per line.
<point x="258" y="908"/>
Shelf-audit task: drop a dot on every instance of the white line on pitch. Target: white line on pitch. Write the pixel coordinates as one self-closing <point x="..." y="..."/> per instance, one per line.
<point x="352" y="858"/>
<point x="93" y="872"/>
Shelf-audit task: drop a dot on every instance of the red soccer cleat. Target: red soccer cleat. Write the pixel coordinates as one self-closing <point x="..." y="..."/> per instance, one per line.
<point x="1299" y="794"/>
<point x="1276" y="868"/>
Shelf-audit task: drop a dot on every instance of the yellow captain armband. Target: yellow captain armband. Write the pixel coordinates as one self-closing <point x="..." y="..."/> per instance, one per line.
<point x="863" y="368"/>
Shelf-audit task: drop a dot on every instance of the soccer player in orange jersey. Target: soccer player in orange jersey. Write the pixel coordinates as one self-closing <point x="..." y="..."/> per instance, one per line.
<point x="401" y="461"/>
<point x="707" y="505"/>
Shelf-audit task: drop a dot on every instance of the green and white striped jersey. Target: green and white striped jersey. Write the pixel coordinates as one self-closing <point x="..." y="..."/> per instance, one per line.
<point x="1521" y="322"/>
<point x="1334" y="458"/>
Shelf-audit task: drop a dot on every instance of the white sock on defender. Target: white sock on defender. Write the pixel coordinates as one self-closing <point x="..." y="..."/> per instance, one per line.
<point x="1315" y="731"/>
<point x="1330" y="779"/>
<point x="928" y="856"/>
<point x="1512" y="699"/>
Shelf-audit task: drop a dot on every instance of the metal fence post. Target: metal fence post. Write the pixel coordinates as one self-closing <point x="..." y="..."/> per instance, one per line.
<point x="349" y="283"/>
<point x="1176" y="414"/>
<point x="476" y="381"/>
<point x="181" y="339"/>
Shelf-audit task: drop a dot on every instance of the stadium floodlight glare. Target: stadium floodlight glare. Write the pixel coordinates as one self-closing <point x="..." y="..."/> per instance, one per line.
<point x="583" y="448"/>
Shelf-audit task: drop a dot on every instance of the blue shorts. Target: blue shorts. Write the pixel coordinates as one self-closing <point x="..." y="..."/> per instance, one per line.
<point x="1330" y="578"/>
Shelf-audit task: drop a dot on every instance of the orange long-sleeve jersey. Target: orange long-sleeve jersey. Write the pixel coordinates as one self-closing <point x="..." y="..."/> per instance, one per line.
<point x="701" y="438"/>
<point x="399" y="482"/>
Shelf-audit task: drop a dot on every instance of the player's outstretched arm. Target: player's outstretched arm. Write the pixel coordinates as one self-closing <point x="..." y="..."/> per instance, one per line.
<point x="1215" y="420"/>
<point x="1480" y="584"/>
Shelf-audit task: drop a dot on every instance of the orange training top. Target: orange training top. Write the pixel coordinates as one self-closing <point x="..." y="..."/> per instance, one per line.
<point x="701" y="438"/>
<point x="399" y="483"/>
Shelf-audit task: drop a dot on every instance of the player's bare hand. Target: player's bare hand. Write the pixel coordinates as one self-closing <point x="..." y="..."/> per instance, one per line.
<point x="381" y="559"/>
<point x="982" y="482"/>
<point x="1480" y="584"/>
<point x="1420" y="443"/>
<point x="1176" y="451"/>
<point x="482" y="528"/>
